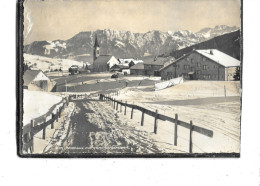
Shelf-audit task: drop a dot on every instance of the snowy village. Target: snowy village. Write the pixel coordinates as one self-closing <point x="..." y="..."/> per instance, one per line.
<point x="114" y="92"/>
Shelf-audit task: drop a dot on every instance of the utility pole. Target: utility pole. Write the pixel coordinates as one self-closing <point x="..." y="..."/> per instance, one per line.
<point x="66" y="85"/>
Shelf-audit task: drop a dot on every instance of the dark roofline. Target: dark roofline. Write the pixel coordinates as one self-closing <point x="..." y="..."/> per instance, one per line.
<point x="137" y="65"/>
<point x="176" y="61"/>
<point x="161" y="61"/>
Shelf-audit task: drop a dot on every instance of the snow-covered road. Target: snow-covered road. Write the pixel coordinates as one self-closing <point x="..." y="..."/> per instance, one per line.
<point x="97" y="128"/>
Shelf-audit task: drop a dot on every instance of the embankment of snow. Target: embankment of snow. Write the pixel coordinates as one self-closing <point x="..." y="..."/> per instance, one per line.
<point x="36" y="103"/>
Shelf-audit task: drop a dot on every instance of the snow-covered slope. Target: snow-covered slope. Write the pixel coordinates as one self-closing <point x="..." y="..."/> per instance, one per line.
<point x="49" y="64"/>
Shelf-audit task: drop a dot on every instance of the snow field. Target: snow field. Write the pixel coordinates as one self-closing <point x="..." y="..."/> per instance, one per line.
<point x="222" y="115"/>
<point x="37" y="103"/>
<point x="48" y="64"/>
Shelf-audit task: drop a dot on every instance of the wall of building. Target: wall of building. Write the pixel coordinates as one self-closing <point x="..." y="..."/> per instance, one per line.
<point x="42" y="85"/>
<point x="104" y="65"/>
<point x="150" y="69"/>
<point x="203" y="68"/>
<point x="100" y="67"/>
<point x="137" y="72"/>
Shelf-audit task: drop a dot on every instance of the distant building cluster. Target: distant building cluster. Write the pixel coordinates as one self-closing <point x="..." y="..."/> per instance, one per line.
<point x="210" y="64"/>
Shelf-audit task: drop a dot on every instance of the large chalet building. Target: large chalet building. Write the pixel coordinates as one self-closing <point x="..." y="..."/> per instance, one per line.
<point x="208" y="64"/>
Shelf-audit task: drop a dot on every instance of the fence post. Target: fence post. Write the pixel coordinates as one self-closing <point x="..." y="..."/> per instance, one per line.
<point x="125" y="107"/>
<point x="57" y="112"/>
<point x="142" y="118"/>
<point x="121" y="106"/>
<point x="31" y="134"/>
<point x="52" y="123"/>
<point x="175" y="129"/>
<point x="44" y="128"/>
<point x="60" y="112"/>
<point x="114" y="106"/>
<point x="132" y="111"/>
<point x="155" y="121"/>
<point x="225" y="92"/>
<point x="191" y="128"/>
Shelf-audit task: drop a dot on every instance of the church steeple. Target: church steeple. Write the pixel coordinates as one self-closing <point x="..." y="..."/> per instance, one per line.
<point x="96" y="49"/>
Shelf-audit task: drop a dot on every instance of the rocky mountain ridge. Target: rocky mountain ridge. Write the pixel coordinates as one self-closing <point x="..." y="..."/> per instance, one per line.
<point x="124" y="44"/>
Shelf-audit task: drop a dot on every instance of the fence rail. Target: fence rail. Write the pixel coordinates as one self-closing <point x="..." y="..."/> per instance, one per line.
<point x="40" y="124"/>
<point x="193" y="128"/>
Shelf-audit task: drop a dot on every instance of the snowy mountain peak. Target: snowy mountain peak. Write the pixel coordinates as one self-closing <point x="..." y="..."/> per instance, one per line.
<point x="125" y="43"/>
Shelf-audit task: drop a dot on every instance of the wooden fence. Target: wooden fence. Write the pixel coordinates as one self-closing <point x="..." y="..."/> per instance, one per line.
<point x="193" y="128"/>
<point x="40" y="124"/>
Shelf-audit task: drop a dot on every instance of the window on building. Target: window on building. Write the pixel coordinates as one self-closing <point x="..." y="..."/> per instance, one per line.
<point x="204" y="67"/>
<point x="209" y="76"/>
<point x="198" y="64"/>
<point x="203" y="59"/>
<point x="186" y="67"/>
<point x="188" y="59"/>
<point x="169" y="74"/>
<point x="198" y="72"/>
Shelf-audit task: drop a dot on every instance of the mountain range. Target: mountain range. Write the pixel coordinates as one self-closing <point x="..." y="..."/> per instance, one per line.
<point x="124" y="44"/>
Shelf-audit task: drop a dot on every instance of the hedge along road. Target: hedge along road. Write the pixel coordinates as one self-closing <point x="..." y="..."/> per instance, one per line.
<point x="97" y="128"/>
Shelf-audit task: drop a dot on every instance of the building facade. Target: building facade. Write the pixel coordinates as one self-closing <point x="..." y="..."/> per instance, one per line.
<point x="36" y="80"/>
<point x="137" y="69"/>
<point x="152" y="67"/>
<point x="104" y="63"/>
<point x="202" y="65"/>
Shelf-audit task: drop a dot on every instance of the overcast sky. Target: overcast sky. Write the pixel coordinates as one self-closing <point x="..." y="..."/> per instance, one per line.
<point x="57" y="19"/>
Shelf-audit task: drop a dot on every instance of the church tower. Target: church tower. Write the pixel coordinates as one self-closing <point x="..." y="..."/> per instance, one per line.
<point x="96" y="49"/>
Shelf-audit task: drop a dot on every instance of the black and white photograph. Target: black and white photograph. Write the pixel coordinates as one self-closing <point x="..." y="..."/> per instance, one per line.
<point x="130" y="78"/>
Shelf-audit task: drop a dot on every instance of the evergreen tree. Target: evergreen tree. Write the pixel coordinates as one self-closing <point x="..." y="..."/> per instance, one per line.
<point x="237" y="74"/>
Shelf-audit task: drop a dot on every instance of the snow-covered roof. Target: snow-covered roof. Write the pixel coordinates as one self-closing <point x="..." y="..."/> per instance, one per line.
<point x="213" y="54"/>
<point x="29" y="76"/>
<point x="219" y="57"/>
